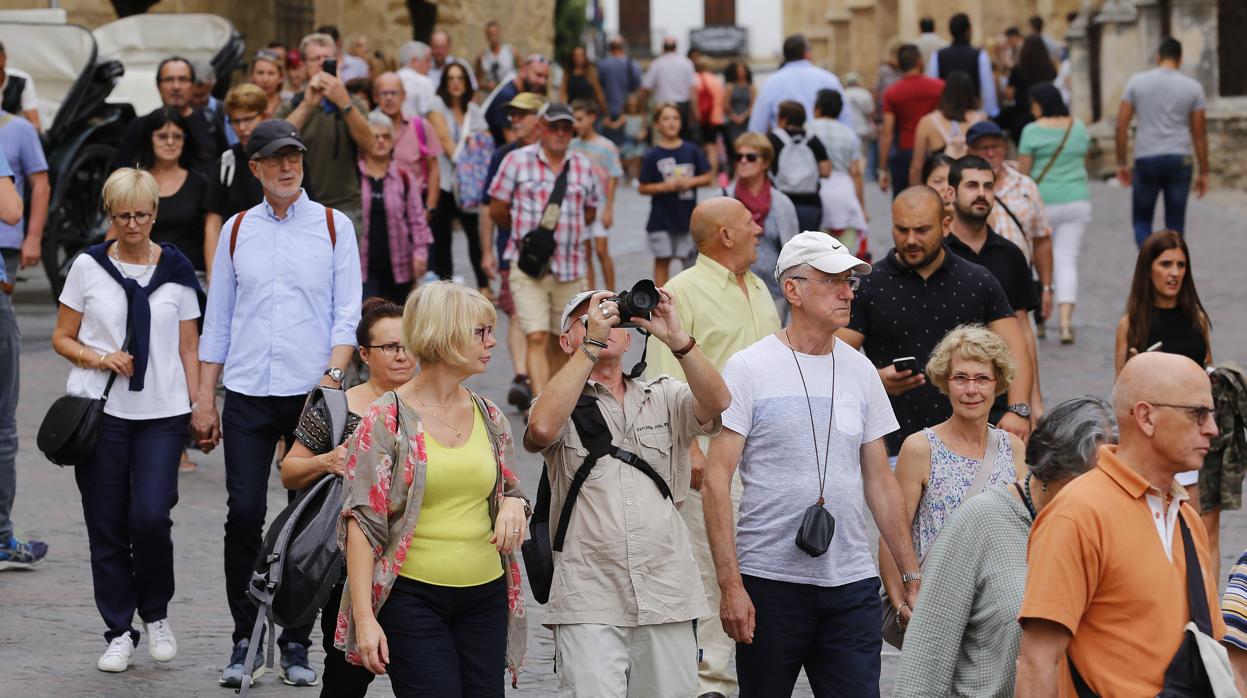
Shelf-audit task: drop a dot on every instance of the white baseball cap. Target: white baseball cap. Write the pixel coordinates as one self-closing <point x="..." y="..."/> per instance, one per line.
<point x="573" y="304"/>
<point x="819" y="250"/>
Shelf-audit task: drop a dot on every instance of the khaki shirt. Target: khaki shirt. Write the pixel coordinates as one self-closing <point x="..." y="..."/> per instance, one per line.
<point x="627" y="560"/>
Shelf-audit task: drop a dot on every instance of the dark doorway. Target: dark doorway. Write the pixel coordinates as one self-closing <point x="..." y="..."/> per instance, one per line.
<point x="423" y="19"/>
<point x="292" y="20"/>
<point x="720" y="13"/>
<point x="634" y="26"/>
<point x="1231" y="58"/>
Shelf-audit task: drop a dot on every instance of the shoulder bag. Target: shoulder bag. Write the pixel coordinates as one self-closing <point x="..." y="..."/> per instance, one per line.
<point x="1055" y="154"/>
<point x="71" y="426"/>
<point x="537" y="247"/>
<point x="893" y="630"/>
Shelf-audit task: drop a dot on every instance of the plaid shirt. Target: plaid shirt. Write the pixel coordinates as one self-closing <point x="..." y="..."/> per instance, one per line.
<point x="1021" y="195"/>
<point x="525" y="179"/>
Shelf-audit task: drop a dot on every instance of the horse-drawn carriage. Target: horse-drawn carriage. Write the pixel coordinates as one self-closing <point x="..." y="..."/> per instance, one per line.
<point x="90" y="85"/>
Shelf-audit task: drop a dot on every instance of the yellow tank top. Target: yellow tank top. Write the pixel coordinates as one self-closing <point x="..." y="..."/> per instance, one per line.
<point x="450" y="544"/>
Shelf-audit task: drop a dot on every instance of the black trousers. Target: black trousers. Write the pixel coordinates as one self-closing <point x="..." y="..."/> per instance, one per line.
<point x="833" y="632"/>
<point x="128" y="492"/>
<point x="341" y="679"/>
<point x="444" y="218"/>
<point x="251" y="427"/>
<point x="446" y="641"/>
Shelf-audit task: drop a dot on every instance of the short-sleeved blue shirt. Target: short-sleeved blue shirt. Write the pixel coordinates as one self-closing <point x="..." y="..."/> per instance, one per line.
<point x="24" y="155"/>
<point x="671" y="212"/>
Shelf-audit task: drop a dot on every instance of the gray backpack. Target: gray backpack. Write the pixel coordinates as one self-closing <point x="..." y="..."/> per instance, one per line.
<point x="300" y="562"/>
<point x="797" y="171"/>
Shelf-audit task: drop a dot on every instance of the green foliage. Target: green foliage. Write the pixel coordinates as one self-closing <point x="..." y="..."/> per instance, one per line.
<point x="569" y="27"/>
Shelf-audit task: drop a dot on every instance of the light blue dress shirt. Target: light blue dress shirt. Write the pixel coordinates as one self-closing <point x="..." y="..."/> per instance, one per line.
<point x="798" y="81"/>
<point x="987" y="81"/>
<point x="285" y="298"/>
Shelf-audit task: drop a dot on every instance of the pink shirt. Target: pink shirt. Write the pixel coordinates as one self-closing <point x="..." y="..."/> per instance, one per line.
<point x="413" y="142"/>
<point x="409" y="234"/>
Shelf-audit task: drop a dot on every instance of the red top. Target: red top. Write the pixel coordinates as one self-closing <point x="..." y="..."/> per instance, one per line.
<point x="909" y="99"/>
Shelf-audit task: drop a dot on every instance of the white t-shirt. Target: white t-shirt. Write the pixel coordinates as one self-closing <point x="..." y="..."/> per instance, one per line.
<point x="778" y="465"/>
<point x="90" y="290"/>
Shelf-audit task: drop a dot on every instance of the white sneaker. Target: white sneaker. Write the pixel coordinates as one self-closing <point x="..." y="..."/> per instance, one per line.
<point x="118" y="655"/>
<point x="160" y="641"/>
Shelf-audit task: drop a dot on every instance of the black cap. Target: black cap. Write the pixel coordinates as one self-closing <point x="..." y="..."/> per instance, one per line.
<point x="556" y="111"/>
<point x="986" y="127"/>
<point x="271" y="136"/>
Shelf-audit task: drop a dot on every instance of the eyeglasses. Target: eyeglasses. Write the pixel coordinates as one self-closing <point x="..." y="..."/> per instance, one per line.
<point x="169" y="137"/>
<point x="389" y="94"/>
<point x="1198" y="413"/>
<point x="141" y="217"/>
<point x="559" y="127"/>
<point x="483" y="332"/>
<point x="290" y="156"/>
<point x="961" y="381"/>
<point x="518" y="115"/>
<point x="241" y="120"/>
<point x="748" y="157"/>
<point x="390" y="350"/>
<point x="831" y="281"/>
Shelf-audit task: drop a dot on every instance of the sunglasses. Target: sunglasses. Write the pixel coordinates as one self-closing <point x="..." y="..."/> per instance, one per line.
<point x="748" y="157"/>
<point x="559" y="127"/>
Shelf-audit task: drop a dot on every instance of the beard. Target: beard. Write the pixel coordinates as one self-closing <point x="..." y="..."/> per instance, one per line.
<point x="926" y="259"/>
<point x="970" y="216"/>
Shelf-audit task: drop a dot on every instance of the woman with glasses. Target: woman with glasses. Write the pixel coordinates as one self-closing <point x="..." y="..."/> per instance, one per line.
<point x="127" y="323"/>
<point x="963" y="638"/>
<point x="1164" y="313"/>
<point x="315" y="455"/>
<point x="939" y="465"/>
<point x="394" y="245"/>
<point x="432" y="515"/>
<point x="770" y="207"/>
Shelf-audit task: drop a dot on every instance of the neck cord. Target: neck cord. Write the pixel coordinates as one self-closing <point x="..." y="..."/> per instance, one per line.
<point x="1026" y="497"/>
<point x="821" y="467"/>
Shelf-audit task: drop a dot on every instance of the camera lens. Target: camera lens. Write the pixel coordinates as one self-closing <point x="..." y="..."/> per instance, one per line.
<point x="644" y="296"/>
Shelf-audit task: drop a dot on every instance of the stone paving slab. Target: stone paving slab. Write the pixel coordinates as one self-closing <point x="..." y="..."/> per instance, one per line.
<point x="52" y="634"/>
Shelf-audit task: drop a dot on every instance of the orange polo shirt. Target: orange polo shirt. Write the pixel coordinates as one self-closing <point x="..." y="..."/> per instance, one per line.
<point x="1097" y="567"/>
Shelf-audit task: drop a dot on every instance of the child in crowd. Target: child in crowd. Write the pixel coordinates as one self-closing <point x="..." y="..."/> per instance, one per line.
<point x="635" y="138"/>
<point x="606" y="165"/>
<point x="671" y="173"/>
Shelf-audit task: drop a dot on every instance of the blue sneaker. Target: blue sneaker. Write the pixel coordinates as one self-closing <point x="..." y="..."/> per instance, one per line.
<point x="295" y="670"/>
<point x="231" y="676"/>
<point x="21" y="554"/>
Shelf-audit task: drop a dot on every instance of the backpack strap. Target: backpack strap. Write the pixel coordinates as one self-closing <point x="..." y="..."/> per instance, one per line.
<point x="335" y="404"/>
<point x="333" y="231"/>
<point x="228" y="164"/>
<point x="233" y="233"/>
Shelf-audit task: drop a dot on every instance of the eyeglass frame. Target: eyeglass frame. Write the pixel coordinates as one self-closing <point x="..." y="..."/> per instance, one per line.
<point x="123" y="219"/>
<point x="854" y="281"/>
<point x="394" y="348"/>
<point x="962" y="381"/>
<point x="291" y="157"/>
<point x="1199" y="413"/>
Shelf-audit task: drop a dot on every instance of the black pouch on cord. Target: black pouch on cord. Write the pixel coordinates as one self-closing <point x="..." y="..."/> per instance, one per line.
<point x="818" y="527"/>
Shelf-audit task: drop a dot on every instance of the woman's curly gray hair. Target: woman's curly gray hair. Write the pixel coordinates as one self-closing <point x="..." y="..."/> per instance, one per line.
<point x="1066" y="439"/>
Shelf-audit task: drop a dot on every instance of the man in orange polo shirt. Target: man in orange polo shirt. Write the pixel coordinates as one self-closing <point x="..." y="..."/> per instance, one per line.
<point x="1107" y="581"/>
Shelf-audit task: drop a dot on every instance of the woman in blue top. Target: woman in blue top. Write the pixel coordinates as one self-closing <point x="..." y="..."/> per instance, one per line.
<point x="1053" y="152"/>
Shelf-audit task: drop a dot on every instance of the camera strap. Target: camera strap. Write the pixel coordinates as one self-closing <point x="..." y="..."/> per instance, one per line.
<point x="819" y="464"/>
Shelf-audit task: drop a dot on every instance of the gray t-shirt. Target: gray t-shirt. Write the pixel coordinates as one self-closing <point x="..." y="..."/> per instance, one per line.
<point x="1163" y="100"/>
<point x="778" y="465"/>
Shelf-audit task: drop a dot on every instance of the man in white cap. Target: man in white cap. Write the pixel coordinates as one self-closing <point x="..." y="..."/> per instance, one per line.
<point x="626" y="590"/>
<point x="806" y="424"/>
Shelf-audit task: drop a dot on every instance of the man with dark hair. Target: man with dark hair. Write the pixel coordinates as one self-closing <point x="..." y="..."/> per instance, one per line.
<point x="1055" y="49"/>
<point x="17" y="92"/>
<point x="531" y="77"/>
<point x="175" y="79"/>
<point x="928" y="41"/>
<point x="798" y="80"/>
<point x="1170" y="107"/>
<point x="960" y="55"/>
<point x="798" y="172"/>
<point x="620" y="76"/>
<point x="904" y="104"/>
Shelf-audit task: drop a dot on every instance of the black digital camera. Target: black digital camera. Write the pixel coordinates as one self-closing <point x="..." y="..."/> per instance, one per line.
<point x="637" y="302"/>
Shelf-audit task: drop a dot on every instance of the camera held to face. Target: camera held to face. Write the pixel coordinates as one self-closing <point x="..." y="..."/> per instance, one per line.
<point x="638" y="302"/>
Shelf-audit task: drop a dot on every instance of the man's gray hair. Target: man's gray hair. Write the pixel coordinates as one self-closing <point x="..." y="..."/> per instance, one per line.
<point x="790" y="272"/>
<point x="376" y="118"/>
<point x="1065" y="441"/>
<point x="205" y="74"/>
<point x="322" y="40"/>
<point x="412" y="51"/>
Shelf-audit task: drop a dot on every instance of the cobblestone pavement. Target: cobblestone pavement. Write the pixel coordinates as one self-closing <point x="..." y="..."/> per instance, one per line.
<point x="52" y="634"/>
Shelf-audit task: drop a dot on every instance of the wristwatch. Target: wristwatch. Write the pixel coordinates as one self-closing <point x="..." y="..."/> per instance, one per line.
<point x="911" y="577"/>
<point x="1021" y="409"/>
<point x="336" y="374"/>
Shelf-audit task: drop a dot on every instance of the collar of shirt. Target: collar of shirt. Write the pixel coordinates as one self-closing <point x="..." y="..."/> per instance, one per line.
<point x="993" y="240"/>
<point x="1137" y="487"/>
<point x="292" y="212"/>
<point x="892" y="267"/>
<point x="712" y="269"/>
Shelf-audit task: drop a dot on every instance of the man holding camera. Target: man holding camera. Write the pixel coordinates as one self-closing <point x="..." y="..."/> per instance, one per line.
<point x="806" y="423"/>
<point x="545" y="188"/>
<point x="626" y="589"/>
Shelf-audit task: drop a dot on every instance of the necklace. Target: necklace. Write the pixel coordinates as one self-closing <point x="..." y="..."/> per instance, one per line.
<point x="1025" y="492"/>
<point x="448" y="425"/>
<point x="819" y="464"/>
<point x="151" y="253"/>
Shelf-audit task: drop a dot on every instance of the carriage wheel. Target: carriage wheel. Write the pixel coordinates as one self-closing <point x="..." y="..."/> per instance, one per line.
<point x="79" y="220"/>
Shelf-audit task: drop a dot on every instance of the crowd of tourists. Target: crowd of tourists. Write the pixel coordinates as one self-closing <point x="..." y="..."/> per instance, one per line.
<point x="277" y="279"/>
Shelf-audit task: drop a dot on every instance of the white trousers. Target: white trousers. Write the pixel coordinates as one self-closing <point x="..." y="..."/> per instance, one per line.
<point x="1069" y="222"/>
<point x="607" y="661"/>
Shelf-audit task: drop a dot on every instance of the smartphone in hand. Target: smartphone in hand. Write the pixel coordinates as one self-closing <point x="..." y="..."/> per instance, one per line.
<point x="906" y="363"/>
<point x="330" y="66"/>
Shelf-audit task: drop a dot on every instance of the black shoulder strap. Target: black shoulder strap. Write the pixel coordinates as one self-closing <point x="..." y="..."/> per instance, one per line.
<point x="1021" y="228"/>
<point x="554" y="205"/>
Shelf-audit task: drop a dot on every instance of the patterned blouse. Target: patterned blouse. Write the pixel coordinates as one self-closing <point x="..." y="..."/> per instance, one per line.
<point x="314" y="427"/>
<point x="951" y="477"/>
<point x="377" y="460"/>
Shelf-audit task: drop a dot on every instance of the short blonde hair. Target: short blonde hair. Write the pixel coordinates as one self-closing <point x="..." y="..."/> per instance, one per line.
<point x="757" y="141"/>
<point x="246" y="97"/>
<point x="129" y="186"/>
<point x="440" y="319"/>
<point x="972" y="343"/>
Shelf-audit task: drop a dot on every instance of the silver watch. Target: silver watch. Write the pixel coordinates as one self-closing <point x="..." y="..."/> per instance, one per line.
<point x="335" y="373"/>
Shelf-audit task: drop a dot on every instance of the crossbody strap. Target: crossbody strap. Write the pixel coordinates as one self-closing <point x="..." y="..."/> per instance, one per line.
<point x="1059" y="148"/>
<point x="112" y="377"/>
<point x="554" y="205"/>
<point x="1003" y="205"/>
<point x="981" y="477"/>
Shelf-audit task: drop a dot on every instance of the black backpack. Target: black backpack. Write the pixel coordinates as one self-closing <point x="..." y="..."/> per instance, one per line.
<point x="595" y="436"/>
<point x="300" y="562"/>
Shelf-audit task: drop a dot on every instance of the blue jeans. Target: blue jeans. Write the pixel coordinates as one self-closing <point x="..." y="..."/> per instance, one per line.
<point x="128" y="492"/>
<point x="898" y="170"/>
<point x="833" y="632"/>
<point x="10" y="348"/>
<point x="1169" y="175"/>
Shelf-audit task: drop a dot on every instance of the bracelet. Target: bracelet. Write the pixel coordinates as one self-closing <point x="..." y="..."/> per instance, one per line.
<point x="911" y="577"/>
<point x="1048" y="288"/>
<point x="680" y="354"/>
<point x="594" y="342"/>
<point x="80" y="350"/>
<point x="585" y="350"/>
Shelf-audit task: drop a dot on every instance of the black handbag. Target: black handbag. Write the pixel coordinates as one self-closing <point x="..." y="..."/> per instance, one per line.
<point x="71" y="426"/>
<point x="537" y="247"/>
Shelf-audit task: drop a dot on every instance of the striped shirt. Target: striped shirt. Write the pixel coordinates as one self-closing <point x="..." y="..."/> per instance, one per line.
<point x="1234" y="606"/>
<point x="526" y="180"/>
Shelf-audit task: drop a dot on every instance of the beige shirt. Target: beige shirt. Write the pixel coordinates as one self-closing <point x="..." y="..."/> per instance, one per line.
<point x="627" y="560"/>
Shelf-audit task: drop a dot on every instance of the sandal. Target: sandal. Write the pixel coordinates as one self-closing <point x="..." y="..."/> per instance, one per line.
<point x="1067" y="335"/>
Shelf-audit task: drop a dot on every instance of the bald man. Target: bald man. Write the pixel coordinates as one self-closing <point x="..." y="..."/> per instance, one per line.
<point x="727" y="308"/>
<point x="917" y="293"/>
<point x="1109" y="558"/>
<point x="415" y="147"/>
